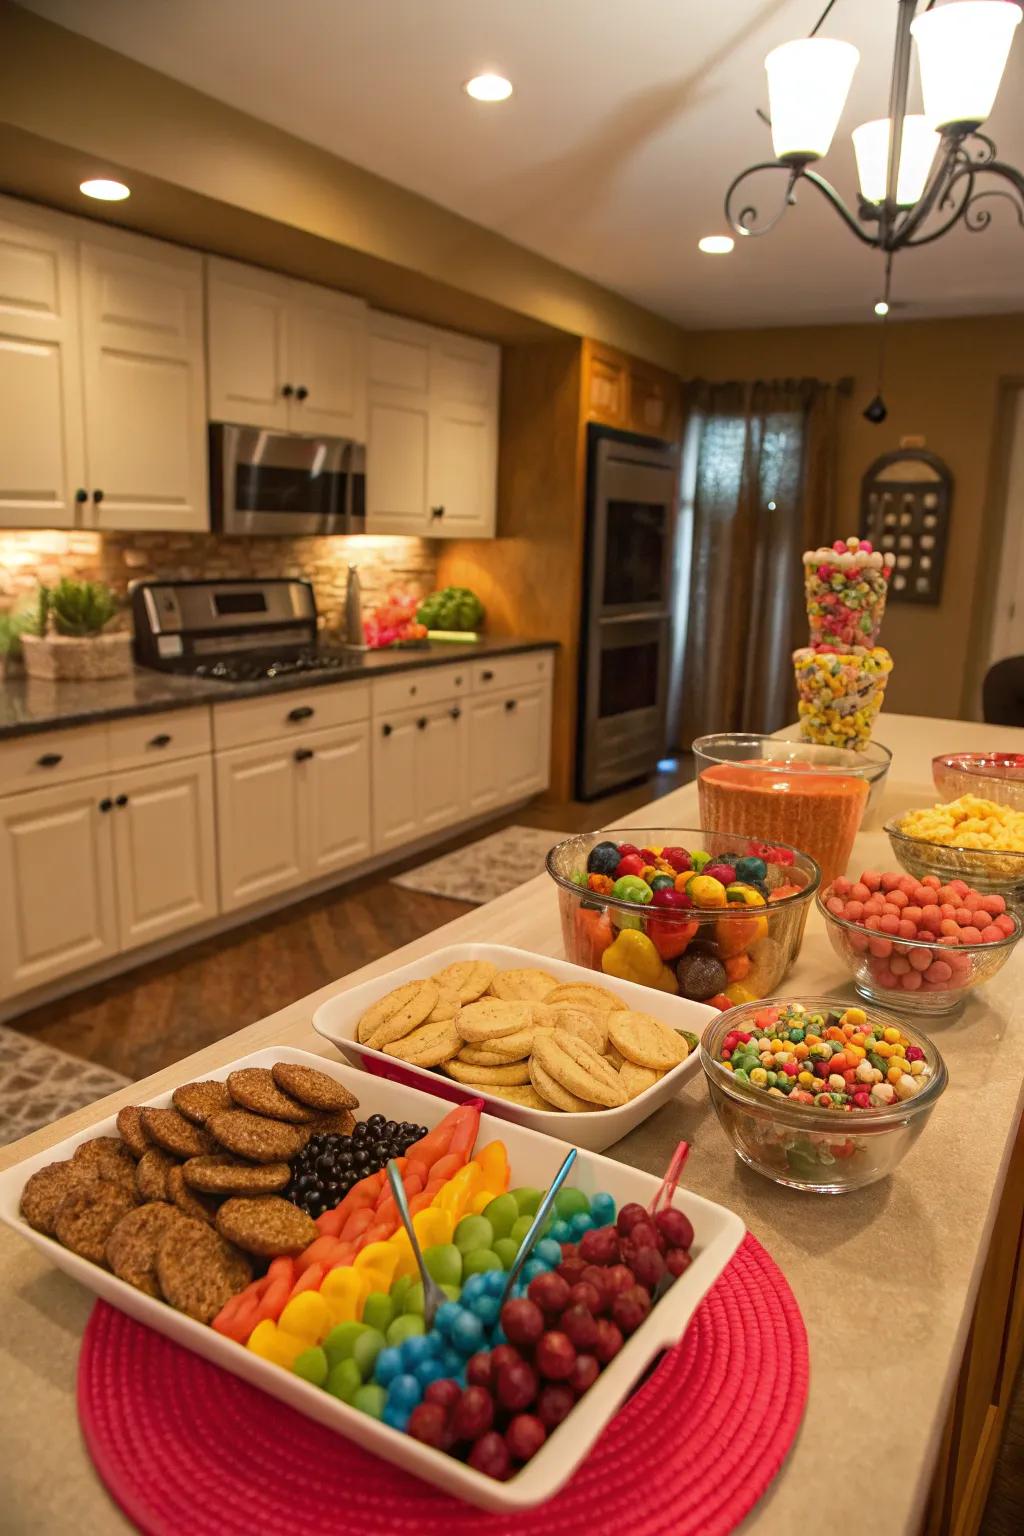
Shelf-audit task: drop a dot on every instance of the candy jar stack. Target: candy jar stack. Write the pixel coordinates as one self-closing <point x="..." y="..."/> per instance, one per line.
<point x="841" y="675"/>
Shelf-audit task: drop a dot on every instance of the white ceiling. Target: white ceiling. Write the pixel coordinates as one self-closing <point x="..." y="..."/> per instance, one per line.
<point x="628" y="122"/>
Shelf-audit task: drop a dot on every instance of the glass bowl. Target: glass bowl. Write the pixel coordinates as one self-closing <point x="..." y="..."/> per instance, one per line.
<point x="997" y="776"/>
<point x="826" y="1151"/>
<point x="867" y="956"/>
<point x="722" y="955"/>
<point x="986" y="869"/>
<point x="809" y="796"/>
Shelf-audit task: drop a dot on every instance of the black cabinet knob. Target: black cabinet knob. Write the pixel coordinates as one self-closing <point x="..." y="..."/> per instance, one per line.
<point x="386" y="730"/>
<point x="121" y="800"/>
<point x="303" y="754"/>
<point x="437" y="511"/>
<point x="456" y="713"/>
<point x="301" y="712"/>
<point x="510" y="705"/>
<point x="81" y="495"/>
<point x="487" y="677"/>
<point x="106" y="804"/>
<point x="287" y="391"/>
<point x="163" y="740"/>
<point x="49" y="759"/>
<point x="421" y="723"/>
<point x="302" y="392"/>
<point x="97" y="497"/>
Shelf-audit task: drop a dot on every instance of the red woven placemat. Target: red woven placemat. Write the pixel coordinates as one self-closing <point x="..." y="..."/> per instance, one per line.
<point x="185" y="1446"/>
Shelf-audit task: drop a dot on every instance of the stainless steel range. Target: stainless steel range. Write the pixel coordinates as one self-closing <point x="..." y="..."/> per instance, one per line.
<point x="233" y="631"/>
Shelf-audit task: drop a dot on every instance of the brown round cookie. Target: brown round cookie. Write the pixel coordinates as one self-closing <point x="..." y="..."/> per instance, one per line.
<point x="267" y="1227"/>
<point x="222" y="1174"/>
<point x="88" y="1214"/>
<point x="256" y="1137"/>
<point x="198" y="1101"/>
<point x="151" y="1172"/>
<point x="105" y="1157"/>
<point x="132" y="1245"/>
<point x="254" y="1088"/>
<point x="198" y="1207"/>
<point x="44" y="1191"/>
<point x="170" y="1130"/>
<point x="312" y="1087"/>
<point x="340" y="1122"/>
<point x="198" y="1271"/>
<point x="129" y="1128"/>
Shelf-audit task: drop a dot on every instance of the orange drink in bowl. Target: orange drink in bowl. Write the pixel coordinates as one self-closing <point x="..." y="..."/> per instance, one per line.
<point x="790" y="791"/>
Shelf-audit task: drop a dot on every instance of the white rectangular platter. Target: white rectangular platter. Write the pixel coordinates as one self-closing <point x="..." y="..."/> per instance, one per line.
<point x="534" y="1160"/>
<point x="337" y="1019"/>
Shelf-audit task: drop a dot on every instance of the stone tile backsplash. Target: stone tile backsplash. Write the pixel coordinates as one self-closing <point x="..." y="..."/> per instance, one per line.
<point x="28" y="557"/>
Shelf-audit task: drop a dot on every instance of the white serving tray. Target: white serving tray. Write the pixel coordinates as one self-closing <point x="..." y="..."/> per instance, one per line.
<point x="337" y="1019"/>
<point x="535" y="1159"/>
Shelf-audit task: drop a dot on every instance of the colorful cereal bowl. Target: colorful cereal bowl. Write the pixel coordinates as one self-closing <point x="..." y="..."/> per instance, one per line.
<point x="987" y="869"/>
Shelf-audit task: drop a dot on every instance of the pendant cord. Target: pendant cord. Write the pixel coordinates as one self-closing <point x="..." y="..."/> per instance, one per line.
<point x="885" y="321"/>
<point x="814" y="30"/>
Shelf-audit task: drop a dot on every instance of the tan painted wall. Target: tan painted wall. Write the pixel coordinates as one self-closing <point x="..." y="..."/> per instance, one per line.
<point x="941" y="382"/>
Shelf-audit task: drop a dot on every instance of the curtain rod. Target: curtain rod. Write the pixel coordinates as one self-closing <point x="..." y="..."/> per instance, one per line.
<point x="842" y="386"/>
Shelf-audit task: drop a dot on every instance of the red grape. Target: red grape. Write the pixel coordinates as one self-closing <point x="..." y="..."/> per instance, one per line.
<point x="598" y="1278"/>
<point x="555" y="1355"/>
<point x="584" y="1374"/>
<point x="677" y="1260"/>
<point x="490" y="1456"/>
<point x="525" y="1435"/>
<point x="523" y="1321"/>
<point x="446" y="1393"/>
<point x="516" y="1383"/>
<point x="630" y="1308"/>
<point x="628" y="1218"/>
<point x="554" y="1402"/>
<point x="648" y="1267"/>
<point x="600" y="1246"/>
<point x="571" y="1268"/>
<point x="643" y="1234"/>
<point x="583" y="1294"/>
<point x="474" y="1414"/>
<point x="675" y="1228"/>
<point x="549" y="1291"/>
<point x="580" y="1324"/>
<point x="609" y="1340"/>
<point x="619" y="1278"/>
<point x="502" y="1354"/>
<point x="429" y="1422"/>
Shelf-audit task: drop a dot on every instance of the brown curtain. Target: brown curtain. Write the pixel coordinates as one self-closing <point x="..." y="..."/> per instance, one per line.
<point x="763" y="491"/>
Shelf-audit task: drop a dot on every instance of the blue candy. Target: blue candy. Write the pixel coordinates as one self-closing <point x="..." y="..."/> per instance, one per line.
<point x="417" y="1349"/>
<point x="397" y="1417"/>
<point x="405" y="1392"/>
<point x="494" y="1282"/>
<point x="486" y="1308"/>
<point x="475" y="1286"/>
<point x="549" y="1252"/>
<point x="602" y="1209"/>
<point x="531" y="1268"/>
<point x="453" y="1363"/>
<point x="430" y="1370"/>
<point x="388" y="1366"/>
<point x="447" y="1315"/>
<point x="468" y="1333"/>
<point x="561" y="1232"/>
<point x="580" y="1224"/>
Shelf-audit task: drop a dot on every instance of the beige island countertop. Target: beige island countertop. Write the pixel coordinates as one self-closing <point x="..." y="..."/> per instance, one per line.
<point x="887" y="1278"/>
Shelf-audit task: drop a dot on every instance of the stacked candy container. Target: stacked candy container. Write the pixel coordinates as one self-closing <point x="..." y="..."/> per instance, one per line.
<point x="841" y="675"/>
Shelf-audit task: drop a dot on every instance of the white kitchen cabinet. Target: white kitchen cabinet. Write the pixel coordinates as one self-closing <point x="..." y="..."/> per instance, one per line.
<point x="334" y="792"/>
<point x="486" y="738"/>
<point x="164" y="849"/>
<point x="433" y="431"/>
<point x="440" y="767"/>
<point x="259" y="836"/>
<point x="143" y="384"/>
<point x="419" y="773"/>
<point x="509" y="746"/>
<point x="284" y="355"/>
<point x="394" y="781"/>
<point x="58" y="911"/>
<point x="42" y="455"/>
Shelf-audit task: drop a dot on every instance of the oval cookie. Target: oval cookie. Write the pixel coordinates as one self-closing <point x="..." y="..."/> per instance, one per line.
<point x="253" y="1136"/>
<point x="578" y="1068"/>
<point x="398" y="1013"/>
<point x="637" y="1080"/>
<point x="267" y="1227"/>
<point x="646" y="1041"/>
<point x="554" y="1095"/>
<point x="222" y="1174"/>
<point x="584" y="994"/>
<point x="516" y="1073"/>
<point x="480" y="1022"/>
<point x="198" y="1101"/>
<point x="198" y="1270"/>
<point x="254" y="1088"/>
<point x="130" y="1130"/>
<point x="170" y="1130"/>
<point x="88" y="1214"/>
<point x="44" y="1191"/>
<point x="132" y="1245"/>
<point x="468" y="979"/>
<point x="310" y="1086"/>
<point x="429" y="1045"/>
<point x="522" y="986"/>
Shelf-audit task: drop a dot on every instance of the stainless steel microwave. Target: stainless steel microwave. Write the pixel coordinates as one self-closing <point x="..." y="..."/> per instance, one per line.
<point x="284" y="483"/>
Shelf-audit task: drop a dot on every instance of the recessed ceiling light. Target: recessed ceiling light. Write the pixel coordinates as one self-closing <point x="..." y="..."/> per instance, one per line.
<point x="106" y="191"/>
<point x="881" y="308"/>
<point x="488" y="88"/>
<point x="716" y="245"/>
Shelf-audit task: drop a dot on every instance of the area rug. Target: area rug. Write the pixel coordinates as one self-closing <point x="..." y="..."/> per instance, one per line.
<point x="484" y="869"/>
<point x="39" y="1084"/>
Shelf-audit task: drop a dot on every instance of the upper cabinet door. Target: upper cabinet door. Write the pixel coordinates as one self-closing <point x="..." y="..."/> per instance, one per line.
<point x="327" y="362"/>
<point x="145" y="396"/>
<point x="246" y="319"/>
<point x="398" y="433"/>
<point x="463" y="437"/>
<point x="41" y="453"/>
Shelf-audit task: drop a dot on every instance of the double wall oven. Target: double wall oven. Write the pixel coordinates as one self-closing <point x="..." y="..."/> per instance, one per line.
<point x="632" y="499"/>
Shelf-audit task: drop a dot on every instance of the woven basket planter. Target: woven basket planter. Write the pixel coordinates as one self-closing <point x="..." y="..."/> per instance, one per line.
<point x="68" y="658"/>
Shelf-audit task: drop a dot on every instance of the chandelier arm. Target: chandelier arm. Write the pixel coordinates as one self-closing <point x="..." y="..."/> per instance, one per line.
<point x="981" y="217"/>
<point x="743" y="221"/>
<point x="964" y="175"/>
<point x="832" y="196"/>
<point x="950" y="166"/>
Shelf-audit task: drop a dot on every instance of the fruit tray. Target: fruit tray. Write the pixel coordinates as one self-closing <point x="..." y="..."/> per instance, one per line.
<point x="337" y="1019"/>
<point x="535" y="1159"/>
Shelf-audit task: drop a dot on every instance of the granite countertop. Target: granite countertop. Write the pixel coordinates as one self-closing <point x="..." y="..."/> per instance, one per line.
<point x="28" y="704"/>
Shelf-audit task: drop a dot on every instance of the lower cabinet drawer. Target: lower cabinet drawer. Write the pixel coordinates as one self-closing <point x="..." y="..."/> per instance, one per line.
<point x="512" y="671"/>
<point x="52" y="757"/>
<point x="146" y="741"/>
<point x="426" y="686"/>
<point x="283" y="715"/>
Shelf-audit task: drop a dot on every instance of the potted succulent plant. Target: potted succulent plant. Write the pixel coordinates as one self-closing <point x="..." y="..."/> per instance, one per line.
<point x="12" y="627"/>
<point x="66" y="640"/>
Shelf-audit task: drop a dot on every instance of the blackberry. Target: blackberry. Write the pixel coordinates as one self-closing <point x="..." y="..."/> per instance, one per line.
<point x="328" y="1166"/>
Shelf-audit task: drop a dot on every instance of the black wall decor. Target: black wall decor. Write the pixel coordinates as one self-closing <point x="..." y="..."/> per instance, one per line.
<point x="904" y="510"/>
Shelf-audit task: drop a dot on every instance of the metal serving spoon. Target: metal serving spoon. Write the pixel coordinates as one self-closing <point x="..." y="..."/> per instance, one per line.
<point x="433" y="1296"/>
<point x="535" y="1226"/>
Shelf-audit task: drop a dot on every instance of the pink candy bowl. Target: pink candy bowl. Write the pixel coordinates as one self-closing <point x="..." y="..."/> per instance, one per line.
<point x="997" y="776"/>
<point x="868" y="956"/>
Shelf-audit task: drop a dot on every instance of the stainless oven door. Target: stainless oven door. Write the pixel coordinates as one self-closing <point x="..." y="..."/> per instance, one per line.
<point x="275" y="483"/>
<point x="623" y="723"/>
<point x="633" y="514"/>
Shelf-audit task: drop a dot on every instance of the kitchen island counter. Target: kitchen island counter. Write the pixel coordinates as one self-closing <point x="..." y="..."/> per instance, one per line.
<point x="887" y="1278"/>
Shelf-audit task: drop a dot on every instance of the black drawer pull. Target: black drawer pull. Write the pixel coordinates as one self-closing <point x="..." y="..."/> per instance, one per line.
<point x="421" y="723"/>
<point x="303" y="754"/>
<point x="106" y="805"/>
<point x="510" y="705"/>
<point x="81" y="496"/>
<point x="97" y="497"/>
<point x="302" y="392"/>
<point x="49" y="759"/>
<point x="386" y="730"/>
<point x="287" y="391"/>
<point x="163" y="740"/>
<point x="437" y="511"/>
<point x="121" y="800"/>
<point x="301" y="712"/>
<point x="456" y="713"/>
<point x="487" y="677"/>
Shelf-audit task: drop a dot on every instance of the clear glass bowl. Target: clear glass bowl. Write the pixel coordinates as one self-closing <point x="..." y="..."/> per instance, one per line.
<point x="744" y="951"/>
<point x="986" y="869"/>
<point x="773" y="788"/>
<point x="867" y="957"/>
<point x="997" y="776"/>
<point x="826" y="1151"/>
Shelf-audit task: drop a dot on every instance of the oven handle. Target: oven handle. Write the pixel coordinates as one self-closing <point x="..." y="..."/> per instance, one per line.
<point x="642" y="616"/>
